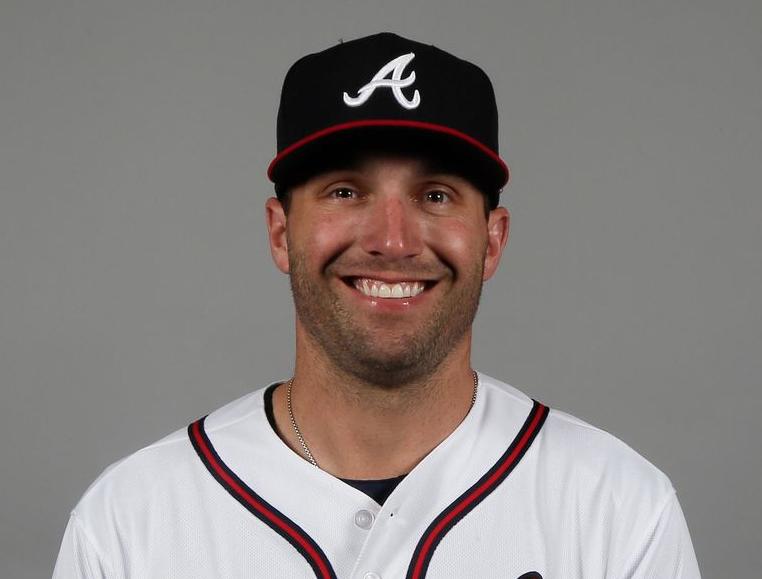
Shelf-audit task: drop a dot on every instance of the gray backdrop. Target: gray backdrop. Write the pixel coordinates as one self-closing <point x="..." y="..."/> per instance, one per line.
<point x="137" y="291"/>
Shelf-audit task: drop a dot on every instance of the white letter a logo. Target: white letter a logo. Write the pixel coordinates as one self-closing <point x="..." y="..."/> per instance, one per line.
<point x="396" y="67"/>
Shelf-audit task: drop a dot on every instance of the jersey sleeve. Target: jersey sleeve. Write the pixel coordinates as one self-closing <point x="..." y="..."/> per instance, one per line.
<point x="665" y="551"/>
<point x="78" y="557"/>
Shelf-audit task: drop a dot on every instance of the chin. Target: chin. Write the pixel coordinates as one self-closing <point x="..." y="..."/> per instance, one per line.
<point x="387" y="370"/>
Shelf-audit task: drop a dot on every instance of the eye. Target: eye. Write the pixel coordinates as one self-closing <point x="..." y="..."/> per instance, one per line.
<point x="343" y="193"/>
<point x="437" y="196"/>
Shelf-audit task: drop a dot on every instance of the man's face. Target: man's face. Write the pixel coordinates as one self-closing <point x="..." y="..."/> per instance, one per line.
<point x="386" y="259"/>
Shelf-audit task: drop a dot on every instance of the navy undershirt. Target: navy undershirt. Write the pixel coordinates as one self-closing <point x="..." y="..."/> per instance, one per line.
<point x="378" y="490"/>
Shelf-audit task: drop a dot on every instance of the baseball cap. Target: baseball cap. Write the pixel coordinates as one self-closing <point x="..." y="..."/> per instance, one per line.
<point x="391" y="92"/>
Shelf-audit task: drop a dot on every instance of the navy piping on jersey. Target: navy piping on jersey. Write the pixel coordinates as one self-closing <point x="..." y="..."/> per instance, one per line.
<point x="260" y="508"/>
<point x="466" y="502"/>
<point x="431" y="538"/>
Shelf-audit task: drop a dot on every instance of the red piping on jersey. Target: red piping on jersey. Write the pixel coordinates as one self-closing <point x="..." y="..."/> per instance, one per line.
<point x="479" y="492"/>
<point x="430" y="539"/>
<point x="388" y="123"/>
<point x="212" y="461"/>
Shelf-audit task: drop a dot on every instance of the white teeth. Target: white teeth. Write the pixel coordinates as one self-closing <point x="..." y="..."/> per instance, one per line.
<point x="378" y="289"/>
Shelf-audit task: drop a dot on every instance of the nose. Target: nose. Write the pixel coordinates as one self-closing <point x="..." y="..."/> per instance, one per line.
<point x="391" y="229"/>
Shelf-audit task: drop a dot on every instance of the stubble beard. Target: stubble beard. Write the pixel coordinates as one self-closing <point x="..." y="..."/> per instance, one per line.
<point x="353" y="348"/>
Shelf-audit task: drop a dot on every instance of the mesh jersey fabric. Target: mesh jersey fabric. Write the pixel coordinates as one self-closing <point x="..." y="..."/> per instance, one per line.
<point x="579" y="504"/>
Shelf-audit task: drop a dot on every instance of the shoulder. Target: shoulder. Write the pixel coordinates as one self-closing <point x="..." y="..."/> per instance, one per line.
<point x="575" y="456"/>
<point x="601" y="457"/>
<point x="159" y="472"/>
<point x="589" y="490"/>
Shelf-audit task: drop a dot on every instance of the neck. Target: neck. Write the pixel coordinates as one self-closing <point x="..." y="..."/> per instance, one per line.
<point x="359" y="430"/>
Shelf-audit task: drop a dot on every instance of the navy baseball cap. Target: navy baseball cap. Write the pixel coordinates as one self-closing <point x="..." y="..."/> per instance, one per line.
<point x="391" y="92"/>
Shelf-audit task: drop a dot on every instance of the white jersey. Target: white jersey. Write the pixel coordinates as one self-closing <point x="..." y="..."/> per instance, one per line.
<point x="517" y="491"/>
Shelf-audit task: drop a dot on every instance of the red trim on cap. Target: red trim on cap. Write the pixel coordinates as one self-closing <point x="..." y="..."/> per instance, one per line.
<point x="387" y="123"/>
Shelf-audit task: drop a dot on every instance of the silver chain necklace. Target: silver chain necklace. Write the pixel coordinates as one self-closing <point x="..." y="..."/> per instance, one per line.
<point x="298" y="432"/>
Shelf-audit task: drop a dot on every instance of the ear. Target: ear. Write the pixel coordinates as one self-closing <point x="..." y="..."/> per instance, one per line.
<point x="276" y="232"/>
<point x="498" y="224"/>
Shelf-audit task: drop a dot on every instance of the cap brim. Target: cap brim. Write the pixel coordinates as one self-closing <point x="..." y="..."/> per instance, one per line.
<point x="464" y="154"/>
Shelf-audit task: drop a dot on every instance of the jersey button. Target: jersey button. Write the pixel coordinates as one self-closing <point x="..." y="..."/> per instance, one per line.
<point x="372" y="575"/>
<point x="364" y="520"/>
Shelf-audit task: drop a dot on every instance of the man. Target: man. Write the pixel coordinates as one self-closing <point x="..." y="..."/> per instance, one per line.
<point x="385" y="455"/>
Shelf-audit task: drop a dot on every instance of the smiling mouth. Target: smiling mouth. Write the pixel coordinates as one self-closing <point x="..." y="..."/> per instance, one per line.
<point x="375" y="288"/>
